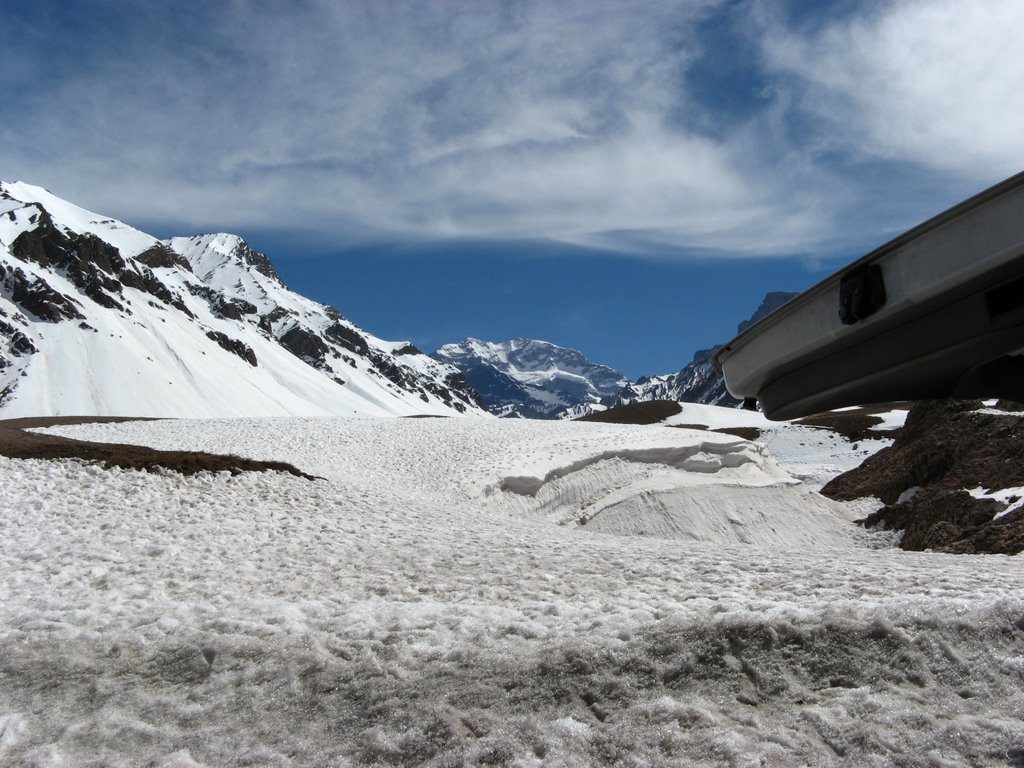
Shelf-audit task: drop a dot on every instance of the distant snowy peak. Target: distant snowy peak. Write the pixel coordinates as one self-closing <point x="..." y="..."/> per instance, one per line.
<point x="696" y="382"/>
<point x="98" y="318"/>
<point x="534" y="360"/>
<point x="528" y="378"/>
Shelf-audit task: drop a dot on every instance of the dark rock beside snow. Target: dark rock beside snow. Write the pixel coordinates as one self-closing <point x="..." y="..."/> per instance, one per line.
<point x="234" y="346"/>
<point x="945" y="449"/>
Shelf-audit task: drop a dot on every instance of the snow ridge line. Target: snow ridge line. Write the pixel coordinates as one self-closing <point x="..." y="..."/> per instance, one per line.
<point x="705" y="458"/>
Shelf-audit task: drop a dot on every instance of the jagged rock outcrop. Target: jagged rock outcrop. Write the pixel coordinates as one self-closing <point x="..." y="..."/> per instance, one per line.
<point x="234" y="346"/>
<point x="941" y="478"/>
<point x="36" y="297"/>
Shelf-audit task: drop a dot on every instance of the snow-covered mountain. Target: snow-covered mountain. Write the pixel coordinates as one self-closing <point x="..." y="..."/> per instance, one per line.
<point x="98" y="318"/>
<point x="524" y="378"/>
<point x="527" y="378"/>
<point x="697" y="382"/>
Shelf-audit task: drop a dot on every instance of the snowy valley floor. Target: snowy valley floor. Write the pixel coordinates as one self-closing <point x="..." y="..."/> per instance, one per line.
<point x="484" y="592"/>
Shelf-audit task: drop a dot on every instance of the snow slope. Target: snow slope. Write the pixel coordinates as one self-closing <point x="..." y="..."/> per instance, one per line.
<point x="432" y="601"/>
<point x="25" y="200"/>
<point x="97" y="318"/>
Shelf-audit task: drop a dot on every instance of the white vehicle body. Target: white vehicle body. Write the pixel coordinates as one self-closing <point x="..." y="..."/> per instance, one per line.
<point x="936" y="312"/>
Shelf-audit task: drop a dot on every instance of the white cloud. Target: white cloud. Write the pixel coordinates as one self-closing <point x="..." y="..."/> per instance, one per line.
<point x="936" y="82"/>
<point x="522" y="119"/>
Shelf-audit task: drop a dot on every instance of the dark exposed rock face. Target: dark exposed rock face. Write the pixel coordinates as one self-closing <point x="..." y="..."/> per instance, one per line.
<point x="144" y="280"/>
<point x="456" y="382"/>
<point x="304" y="344"/>
<point x="945" y="449"/>
<point x="14" y="344"/>
<point x="259" y="262"/>
<point x="222" y="306"/>
<point x="95" y="267"/>
<point x="88" y="262"/>
<point x="348" y="338"/>
<point x="17" y="343"/>
<point x="36" y="297"/>
<point x="267" y="321"/>
<point x="234" y="346"/>
<point x="162" y="256"/>
<point x="233" y="310"/>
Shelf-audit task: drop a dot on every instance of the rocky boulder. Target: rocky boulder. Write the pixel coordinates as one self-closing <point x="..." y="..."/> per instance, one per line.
<point x="946" y="450"/>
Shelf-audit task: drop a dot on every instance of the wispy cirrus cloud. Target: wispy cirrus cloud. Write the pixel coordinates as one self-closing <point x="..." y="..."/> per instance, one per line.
<point x="580" y="122"/>
<point x="933" y="82"/>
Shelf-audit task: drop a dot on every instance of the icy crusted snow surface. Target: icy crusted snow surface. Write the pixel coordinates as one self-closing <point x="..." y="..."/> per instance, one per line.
<point x="407" y="610"/>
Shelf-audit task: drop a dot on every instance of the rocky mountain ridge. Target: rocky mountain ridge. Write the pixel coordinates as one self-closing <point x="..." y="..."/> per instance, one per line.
<point x="525" y="378"/>
<point x="97" y="318"/>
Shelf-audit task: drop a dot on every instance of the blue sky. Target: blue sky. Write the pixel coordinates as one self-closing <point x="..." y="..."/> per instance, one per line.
<point x="626" y="178"/>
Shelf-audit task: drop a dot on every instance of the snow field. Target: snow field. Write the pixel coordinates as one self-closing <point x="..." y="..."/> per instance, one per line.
<point x="406" y="610"/>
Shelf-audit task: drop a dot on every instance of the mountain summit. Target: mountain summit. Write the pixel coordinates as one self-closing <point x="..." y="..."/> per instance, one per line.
<point x="527" y="378"/>
<point x="98" y="318"/>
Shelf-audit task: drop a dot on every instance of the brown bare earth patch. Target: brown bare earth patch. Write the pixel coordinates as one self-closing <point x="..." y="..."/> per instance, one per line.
<point x="945" y="448"/>
<point x="15" y="443"/>
<point x="650" y="412"/>
<point x="854" y="425"/>
<point x="747" y="433"/>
